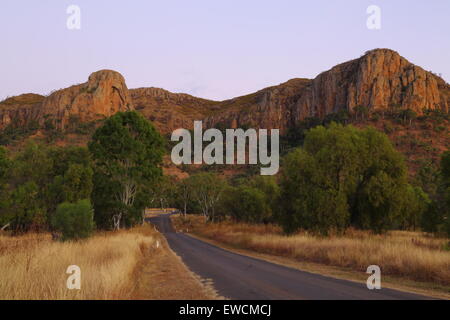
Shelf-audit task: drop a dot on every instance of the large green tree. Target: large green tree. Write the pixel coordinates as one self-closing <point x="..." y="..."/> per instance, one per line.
<point x="343" y="176"/>
<point x="127" y="151"/>
<point x="308" y="199"/>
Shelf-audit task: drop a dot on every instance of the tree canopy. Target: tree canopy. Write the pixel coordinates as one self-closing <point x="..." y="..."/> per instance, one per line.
<point x="343" y="176"/>
<point x="127" y="152"/>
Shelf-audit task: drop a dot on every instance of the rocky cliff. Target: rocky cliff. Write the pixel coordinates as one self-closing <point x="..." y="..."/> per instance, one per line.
<point x="380" y="80"/>
<point x="20" y="110"/>
<point x="269" y="108"/>
<point x="103" y="95"/>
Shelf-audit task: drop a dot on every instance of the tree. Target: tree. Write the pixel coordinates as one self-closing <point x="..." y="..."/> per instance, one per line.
<point x="28" y="180"/>
<point x="103" y="200"/>
<point x="32" y="164"/>
<point x="427" y="177"/>
<point x="445" y="172"/>
<point x="74" y="220"/>
<point x="77" y="182"/>
<point x="380" y="182"/>
<point x="362" y="112"/>
<point x="207" y="189"/>
<point x="244" y="203"/>
<point x="416" y="203"/>
<point x="342" y="176"/>
<point x="271" y="190"/>
<point x="408" y="115"/>
<point x="164" y="192"/>
<point x="38" y="179"/>
<point x="127" y="151"/>
<point x="379" y="203"/>
<point x="72" y="175"/>
<point x="308" y="201"/>
<point x="25" y="209"/>
<point x="437" y="218"/>
<point x="5" y="164"/>
<point x="184" y="193"/>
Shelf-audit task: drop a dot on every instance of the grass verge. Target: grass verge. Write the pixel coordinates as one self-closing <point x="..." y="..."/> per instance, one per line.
<point x="130" y="264"/>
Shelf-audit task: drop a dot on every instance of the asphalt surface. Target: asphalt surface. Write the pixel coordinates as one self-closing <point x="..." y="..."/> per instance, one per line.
<point x="241" y="277"/>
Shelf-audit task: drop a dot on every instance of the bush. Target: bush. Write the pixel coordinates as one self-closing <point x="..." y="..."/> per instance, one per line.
<point x="74" y="220"/>
<point x="244" y="203"/>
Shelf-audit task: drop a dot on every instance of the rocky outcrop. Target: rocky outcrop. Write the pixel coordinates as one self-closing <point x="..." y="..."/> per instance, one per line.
<point x="270" y="108"/>
<point x="21" y="110"/>
<point x="103" y="95"/>
<point x="381" y="80"/>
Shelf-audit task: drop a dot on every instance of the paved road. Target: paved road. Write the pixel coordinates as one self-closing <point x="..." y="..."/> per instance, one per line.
<point x="244" y="278"/>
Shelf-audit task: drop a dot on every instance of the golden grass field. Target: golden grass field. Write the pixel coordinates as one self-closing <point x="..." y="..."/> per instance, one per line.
<point x="124" y="265"/>
<point x="411" y="255"/>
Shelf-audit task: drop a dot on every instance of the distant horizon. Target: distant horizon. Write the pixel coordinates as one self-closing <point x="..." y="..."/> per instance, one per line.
<point x="212" y="50"/>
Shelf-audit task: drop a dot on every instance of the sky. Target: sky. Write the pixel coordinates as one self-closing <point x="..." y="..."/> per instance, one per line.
<point x="215" y="49"/>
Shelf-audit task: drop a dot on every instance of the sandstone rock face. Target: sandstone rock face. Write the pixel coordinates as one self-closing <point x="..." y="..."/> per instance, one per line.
<point x="270" y="108"/>
<point x="20" y="110"/>
<point x="103" y="95"/>
<point x="381" y="80"/>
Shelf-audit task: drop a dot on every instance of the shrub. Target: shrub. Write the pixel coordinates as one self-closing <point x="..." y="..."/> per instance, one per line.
<point x="74" y="220"/>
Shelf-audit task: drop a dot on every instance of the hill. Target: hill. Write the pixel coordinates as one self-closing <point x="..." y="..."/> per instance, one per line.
<point x="381" y="88"/>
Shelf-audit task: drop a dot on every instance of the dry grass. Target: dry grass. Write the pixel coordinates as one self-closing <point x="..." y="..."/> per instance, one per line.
<point x="411" y="255"/>
<point x="163" y="276"/>
<point x="132" y="264"/>
<point x="34" y="267"/>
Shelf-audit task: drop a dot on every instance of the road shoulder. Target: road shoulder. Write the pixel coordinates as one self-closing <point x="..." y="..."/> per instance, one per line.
<point x="162" y="275"/>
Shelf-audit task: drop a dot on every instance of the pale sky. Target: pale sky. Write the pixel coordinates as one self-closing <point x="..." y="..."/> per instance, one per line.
<point x="215" y="49"/>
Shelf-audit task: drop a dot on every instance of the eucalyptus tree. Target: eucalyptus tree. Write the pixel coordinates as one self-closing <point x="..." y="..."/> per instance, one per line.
<point x="127" y="152"/>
